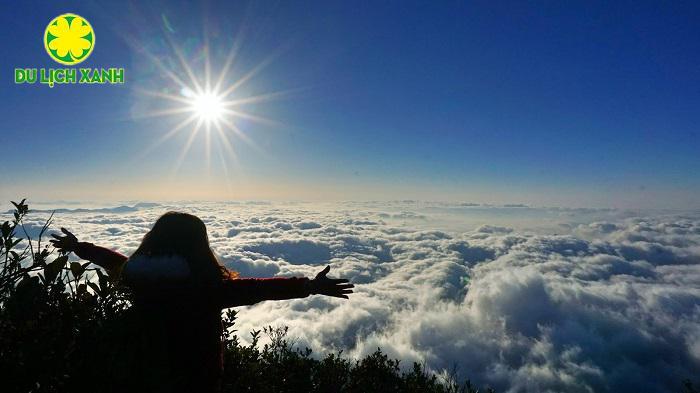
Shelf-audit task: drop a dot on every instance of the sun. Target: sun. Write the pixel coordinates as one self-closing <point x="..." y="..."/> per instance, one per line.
<point x="208" y="107"/>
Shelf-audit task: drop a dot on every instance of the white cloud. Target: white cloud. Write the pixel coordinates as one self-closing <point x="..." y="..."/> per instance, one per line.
<point x="523" y="299"/>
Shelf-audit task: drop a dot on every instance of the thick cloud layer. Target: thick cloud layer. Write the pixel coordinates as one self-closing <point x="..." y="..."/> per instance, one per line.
<point x="521" y="299"/>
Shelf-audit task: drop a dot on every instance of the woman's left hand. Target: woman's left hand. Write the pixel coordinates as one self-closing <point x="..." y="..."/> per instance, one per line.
<point x="336" y="287"/>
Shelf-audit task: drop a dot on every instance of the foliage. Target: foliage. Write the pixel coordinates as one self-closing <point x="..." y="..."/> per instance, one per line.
<point x="52" y="313"/>
<point x="281" y="367"/>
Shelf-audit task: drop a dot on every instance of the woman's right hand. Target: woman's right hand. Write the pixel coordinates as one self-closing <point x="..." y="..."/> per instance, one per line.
<point x="66" y="243"/>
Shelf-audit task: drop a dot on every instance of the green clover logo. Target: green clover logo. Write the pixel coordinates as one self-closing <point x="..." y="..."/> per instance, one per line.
<point x="69" y="39"/>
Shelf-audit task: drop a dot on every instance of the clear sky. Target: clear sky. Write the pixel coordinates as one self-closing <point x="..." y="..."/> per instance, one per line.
<point x="549" y="103"/>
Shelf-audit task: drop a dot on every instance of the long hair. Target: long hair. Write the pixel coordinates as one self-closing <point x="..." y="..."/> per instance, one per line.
<point x="185" y="235"/>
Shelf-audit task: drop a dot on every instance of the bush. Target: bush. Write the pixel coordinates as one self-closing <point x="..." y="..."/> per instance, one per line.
<point x="63" y="328"/>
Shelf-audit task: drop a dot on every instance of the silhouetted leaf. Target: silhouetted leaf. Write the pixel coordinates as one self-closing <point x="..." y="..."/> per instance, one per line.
<point x="15" y="256"/>
<point x="77" y="269"/>
<point x="103" y="280"/>
<point x="6" y="229"/>
<point x="52" y="270"/>
<point x="95" y="288"/>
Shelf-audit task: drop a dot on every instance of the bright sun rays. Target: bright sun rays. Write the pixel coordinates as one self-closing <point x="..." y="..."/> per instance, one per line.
<point x="209" y="109"/>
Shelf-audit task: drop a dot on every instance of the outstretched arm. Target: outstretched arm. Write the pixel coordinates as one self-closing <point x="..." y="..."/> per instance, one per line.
<point x="247" y="291"/>
<point x="111" y="261"/>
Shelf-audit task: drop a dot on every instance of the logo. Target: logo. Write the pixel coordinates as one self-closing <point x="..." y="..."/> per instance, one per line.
<point x="69" y="39"/>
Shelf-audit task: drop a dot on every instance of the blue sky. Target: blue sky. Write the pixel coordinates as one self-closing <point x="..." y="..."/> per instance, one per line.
<point x="577" y="104"/>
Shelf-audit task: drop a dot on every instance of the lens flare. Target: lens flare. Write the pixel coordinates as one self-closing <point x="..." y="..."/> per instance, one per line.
<point x="208" y="106"/>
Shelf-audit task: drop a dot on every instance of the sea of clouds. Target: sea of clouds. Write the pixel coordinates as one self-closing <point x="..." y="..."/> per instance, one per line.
<point x="521" y="299"/>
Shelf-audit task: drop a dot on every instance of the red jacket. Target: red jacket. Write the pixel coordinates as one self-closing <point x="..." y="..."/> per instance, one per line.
<point x="180" y="337"/>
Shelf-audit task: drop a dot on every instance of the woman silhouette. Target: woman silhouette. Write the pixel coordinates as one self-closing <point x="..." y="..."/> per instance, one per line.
<point x="179" y="290"/>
